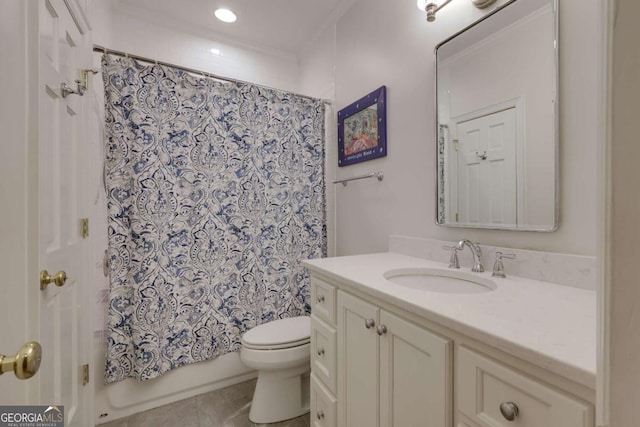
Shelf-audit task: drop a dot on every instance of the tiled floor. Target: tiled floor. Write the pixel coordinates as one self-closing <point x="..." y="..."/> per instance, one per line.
<point x="228" y="407"/>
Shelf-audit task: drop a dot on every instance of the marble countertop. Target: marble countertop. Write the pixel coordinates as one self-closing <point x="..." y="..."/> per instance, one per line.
<point x="548" y="325"/>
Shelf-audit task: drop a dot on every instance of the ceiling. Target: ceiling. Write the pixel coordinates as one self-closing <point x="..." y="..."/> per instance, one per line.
<point x="283" y="25"/>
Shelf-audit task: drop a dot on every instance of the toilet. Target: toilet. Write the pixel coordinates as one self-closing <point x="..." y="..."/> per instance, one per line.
<point x="279" y="351"/>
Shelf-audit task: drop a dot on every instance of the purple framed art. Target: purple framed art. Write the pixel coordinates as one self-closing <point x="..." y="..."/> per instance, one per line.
<point x="362" y="129"/>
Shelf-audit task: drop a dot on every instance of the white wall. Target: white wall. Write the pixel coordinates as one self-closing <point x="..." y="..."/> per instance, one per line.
<point x="389" y="43"/>
<point x="317" y="78"/>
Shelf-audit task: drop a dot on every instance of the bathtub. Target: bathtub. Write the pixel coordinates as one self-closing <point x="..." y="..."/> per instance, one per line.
<point x="127" y="397"/>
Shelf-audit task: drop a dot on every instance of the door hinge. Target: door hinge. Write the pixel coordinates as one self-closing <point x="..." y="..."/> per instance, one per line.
<point x="85" y="374"/>
<point x="456" y="143"/>
<point x="85" y="227"/>
<point x="457" y="218"/>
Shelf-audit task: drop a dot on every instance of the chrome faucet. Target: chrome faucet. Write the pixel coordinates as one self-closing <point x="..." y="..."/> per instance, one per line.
<point x="475" y="251"/>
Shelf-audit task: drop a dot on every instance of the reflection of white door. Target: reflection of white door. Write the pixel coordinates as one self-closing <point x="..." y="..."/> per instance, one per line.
<point x="486" y="170"/>
<point x="46" y="185"/>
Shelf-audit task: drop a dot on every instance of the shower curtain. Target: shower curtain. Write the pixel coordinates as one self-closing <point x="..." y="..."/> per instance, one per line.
<point x="215" y="194"/>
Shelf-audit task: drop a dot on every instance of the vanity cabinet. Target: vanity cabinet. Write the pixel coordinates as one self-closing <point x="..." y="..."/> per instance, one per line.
<point x="376" y="365"/>
<point x="390" y="371"/>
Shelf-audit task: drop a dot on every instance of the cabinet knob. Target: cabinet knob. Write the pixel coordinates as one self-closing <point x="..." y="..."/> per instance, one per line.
<point x="320" y="299"/>
<point x="382" y="329"/>
<point x="320" y="351"/>
<point x="320" y="415"/>
<point x="509" y="410"/>
<point x="369" y="323"/>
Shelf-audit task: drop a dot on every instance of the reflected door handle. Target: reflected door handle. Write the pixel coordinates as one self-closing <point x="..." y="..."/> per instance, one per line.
<point x="58" y="279"/>
<point x="482" y="156"/>
<point x="25" y="363"/>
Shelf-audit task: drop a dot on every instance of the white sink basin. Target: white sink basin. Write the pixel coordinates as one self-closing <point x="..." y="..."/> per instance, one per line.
<point x="437" y="280"/>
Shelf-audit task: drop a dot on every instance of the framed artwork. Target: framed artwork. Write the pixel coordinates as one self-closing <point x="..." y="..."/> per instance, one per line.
<point x="362" y="129"/>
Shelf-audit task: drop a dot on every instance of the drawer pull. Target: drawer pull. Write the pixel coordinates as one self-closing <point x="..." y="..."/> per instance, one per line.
<point x="320" y="351"/>
<point x="369" y="323"/>
<point x="509" y="410"/>
<point x="320" y="415"/>
<point x="320" y="299"/>
<point x="382" y="329"/>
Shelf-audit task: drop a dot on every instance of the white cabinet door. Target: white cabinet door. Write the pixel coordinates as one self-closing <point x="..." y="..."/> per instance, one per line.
<point x="390" y="371"/>
<point x="358" y="355"/>
<point x="415" y="375"/>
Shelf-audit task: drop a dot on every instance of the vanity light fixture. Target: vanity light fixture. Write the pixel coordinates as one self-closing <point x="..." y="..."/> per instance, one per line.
<point x="225" y="15"/>
<point x="432" y="6"/>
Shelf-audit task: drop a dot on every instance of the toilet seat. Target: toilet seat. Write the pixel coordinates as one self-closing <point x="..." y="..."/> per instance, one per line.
<point x="279" y="334"/>
<point x="276" y="346"/>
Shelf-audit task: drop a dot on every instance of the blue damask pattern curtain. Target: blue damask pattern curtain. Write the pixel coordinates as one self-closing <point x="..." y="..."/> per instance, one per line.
<point x="215" y="194"/>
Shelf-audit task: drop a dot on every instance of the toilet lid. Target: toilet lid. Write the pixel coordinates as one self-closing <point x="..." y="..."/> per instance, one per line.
<point x="282" y="333"/>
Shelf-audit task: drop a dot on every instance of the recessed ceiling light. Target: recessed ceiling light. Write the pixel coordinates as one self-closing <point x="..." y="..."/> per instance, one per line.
<point x="215" y="52"/>
<point x="225" y="15"/>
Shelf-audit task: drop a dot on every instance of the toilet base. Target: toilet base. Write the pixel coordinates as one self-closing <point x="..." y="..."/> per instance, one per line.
<point x="280" y="395"/>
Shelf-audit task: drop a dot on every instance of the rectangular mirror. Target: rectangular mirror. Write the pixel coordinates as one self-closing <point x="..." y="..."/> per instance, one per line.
<point x="497" y="121"/>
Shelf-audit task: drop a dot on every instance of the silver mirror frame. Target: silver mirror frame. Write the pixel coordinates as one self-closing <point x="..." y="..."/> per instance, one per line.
<point x="556" y="213"/>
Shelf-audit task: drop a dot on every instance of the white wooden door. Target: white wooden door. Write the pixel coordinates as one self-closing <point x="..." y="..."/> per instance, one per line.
<point x="62" y="198"/>
<point x="358" y="362"/>
<point x="487" y="170"/>
<point x="40" y="175"/>
<point x="415" y="375"/>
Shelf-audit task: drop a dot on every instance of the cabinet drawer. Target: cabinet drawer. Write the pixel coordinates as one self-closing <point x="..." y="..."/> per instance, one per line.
<point x="323" y="405"/>
<point x="323" y="300"/>
<point x="483" y="385"/>
<point x="323" y="352"/>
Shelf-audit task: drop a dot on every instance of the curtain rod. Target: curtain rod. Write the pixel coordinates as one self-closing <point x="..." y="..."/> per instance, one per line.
<point x="97" y="48"/>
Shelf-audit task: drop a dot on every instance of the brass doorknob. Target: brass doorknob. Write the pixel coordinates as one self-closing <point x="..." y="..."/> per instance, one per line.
<point x="25" y="363"/>
<point x="58" y="279"/>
